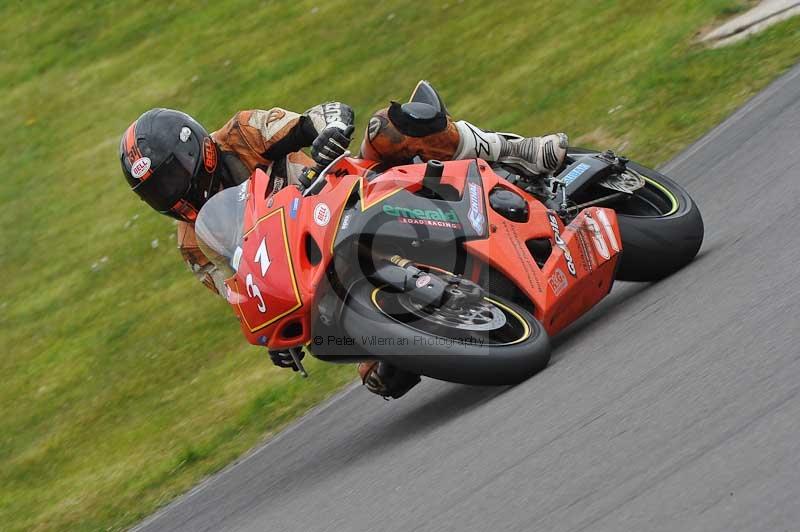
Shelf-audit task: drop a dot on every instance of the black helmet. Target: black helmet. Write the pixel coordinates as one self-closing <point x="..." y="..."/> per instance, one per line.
<point x="170" y="161"/>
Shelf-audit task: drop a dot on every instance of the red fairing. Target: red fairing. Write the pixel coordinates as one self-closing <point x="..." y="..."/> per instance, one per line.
<point x="275" y="283"/>
<point x="275" y="286"/>
<point x="574" y="278"/>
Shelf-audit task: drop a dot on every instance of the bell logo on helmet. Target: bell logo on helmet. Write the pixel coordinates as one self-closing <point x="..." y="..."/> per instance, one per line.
<point x="140" y="169"/>
<point x="209" y="155"/>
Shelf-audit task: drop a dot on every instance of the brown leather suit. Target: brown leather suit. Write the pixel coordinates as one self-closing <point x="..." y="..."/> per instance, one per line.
<point x="251" y="137"/>
<point x="245" y="142"/>
<point x="271" y="140"/>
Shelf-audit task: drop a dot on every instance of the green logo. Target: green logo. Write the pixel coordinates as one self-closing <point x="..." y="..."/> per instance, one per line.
<point x="418" y="214"/>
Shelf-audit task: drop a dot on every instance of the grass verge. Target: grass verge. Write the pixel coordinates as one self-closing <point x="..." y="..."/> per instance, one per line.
<point x="125" y="382"/>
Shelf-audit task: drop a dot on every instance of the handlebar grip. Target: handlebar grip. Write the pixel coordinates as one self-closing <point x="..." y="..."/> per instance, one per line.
<point x="347" y="131"/>
<point x="317" y="168"/>
<point x="310" y="178"/>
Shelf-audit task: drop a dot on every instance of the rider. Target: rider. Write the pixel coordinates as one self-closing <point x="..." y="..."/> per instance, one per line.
<point x="175" y="165"/>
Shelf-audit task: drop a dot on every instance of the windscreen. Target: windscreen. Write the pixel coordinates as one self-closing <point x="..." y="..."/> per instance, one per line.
<point x="219" y="227"/>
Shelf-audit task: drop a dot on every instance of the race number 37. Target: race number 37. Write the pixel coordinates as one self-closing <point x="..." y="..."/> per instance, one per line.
<point x="265" y="278"/>
<point x="262" y="259"/>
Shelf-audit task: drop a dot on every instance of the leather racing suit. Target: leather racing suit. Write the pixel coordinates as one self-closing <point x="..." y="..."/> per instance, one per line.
<point x="270" y="140"/>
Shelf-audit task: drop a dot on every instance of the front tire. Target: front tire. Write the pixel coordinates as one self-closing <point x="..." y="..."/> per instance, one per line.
<point x="428" y="347"/>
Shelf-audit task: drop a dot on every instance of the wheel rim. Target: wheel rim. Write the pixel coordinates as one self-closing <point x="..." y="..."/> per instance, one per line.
<point x="487" y="322"/>
<point x="654" y="200"/>
<point x="478" y="316"/>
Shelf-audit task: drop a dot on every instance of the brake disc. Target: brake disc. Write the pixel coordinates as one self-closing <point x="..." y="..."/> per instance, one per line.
<point x="627" y="182"/>
<point x="477" y="316"/>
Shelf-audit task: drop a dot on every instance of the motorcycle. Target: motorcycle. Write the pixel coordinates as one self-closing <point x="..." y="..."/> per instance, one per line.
<point x="458" y="270"/>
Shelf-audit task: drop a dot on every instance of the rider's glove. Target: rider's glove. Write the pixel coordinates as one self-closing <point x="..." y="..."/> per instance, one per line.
<point x="331" y="142"/>
<point x="283" y="359"/>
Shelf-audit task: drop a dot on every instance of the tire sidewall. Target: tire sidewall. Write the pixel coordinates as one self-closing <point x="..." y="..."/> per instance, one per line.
<point x="433" y="356"/>
<point x="654" y="247"/>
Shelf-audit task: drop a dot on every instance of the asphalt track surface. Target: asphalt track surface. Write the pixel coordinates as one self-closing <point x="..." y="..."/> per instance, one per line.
<point x="671" y="406"/>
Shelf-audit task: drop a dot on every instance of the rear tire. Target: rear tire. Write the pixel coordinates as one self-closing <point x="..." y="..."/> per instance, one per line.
<point x="655" y="247"/>
<point x="661" y="227"/>
<point x="433" y="356"/>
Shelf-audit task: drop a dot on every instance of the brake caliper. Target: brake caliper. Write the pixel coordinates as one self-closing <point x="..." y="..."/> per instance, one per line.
<point x="428" y="288"/>
<point x="460" y="292"/>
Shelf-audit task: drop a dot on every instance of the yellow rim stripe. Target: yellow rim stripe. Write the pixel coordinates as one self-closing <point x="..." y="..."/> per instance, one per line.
<point x="522" y="320"/>
<point x="667" y="193"/>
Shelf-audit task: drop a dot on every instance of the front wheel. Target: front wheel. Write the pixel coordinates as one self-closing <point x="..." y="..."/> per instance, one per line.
<point x="661" y="227"/>
<point x="487" y="342"/>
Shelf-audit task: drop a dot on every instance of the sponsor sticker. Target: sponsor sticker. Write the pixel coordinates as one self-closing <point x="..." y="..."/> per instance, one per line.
<point x="609" y="229"/>
<point x="561" y="244"/>
<point x="346" y="221"/>
<point x="430" y="217"/>
<point x="575" y="173"/>
<point x="322" y="214"/>
<point x="587" y="259"/>
<point x="558" y="282"/>
<point x="140" y="168"/>
<point x="532" y="272"/>
<point x="278" y="183"/>
<point x="185" y="134"/>
<point x="475" y="214"/>
<point x="294" y="208"/>
<point x="597" y="237"/>
<point x="423" y="280"/>
<point x="429" y="223"/>
<point x="209" y="155"/>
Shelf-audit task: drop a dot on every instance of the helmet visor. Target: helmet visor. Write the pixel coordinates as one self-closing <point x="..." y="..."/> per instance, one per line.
<point x="168" y="183"/>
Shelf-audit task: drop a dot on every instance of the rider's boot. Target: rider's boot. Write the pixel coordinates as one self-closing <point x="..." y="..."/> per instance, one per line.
<point x="533" y="155"/>
<point x="385" y="380"/>
<point x="423" y="128"/>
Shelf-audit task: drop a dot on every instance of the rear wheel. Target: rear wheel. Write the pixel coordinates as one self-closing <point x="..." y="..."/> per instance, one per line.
<point x="490" y="341"/>
<point x="661" y="227"/>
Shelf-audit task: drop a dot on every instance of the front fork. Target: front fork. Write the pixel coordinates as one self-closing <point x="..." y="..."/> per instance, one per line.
<point x="428" y="289"/>
<point x="425" y="288"/>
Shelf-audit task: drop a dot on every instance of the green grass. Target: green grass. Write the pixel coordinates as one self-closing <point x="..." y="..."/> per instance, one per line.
<point x="124" y="381"/>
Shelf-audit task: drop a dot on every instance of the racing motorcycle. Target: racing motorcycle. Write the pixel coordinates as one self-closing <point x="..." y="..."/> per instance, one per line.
<point x="459" y="270"/>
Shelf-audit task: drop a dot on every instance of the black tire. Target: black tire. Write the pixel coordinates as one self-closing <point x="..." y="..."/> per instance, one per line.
<point x="465" y="363"/>
<point x="661" y="228"/>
